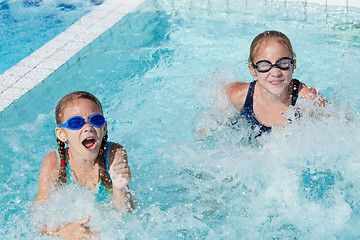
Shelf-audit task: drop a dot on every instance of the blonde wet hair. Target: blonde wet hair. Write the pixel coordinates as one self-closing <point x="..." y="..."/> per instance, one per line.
<point x="267" y="35"/>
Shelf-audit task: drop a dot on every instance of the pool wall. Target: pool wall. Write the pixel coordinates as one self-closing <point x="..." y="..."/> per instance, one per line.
<point x="32" y="70"/>
<point x="341" y="3"/>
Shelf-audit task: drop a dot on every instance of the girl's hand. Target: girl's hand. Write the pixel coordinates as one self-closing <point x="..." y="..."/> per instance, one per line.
<point x="78" y="230"/>
<point x="120" y="174"/>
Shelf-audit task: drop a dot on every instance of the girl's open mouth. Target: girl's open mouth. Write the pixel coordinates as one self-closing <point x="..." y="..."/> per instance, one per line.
<point x="89" y="143"/>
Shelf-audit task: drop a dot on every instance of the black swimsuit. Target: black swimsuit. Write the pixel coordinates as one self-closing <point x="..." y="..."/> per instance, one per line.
<point x="247" y="112"/>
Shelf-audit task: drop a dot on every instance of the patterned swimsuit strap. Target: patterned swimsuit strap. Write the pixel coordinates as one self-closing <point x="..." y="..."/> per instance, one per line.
<point x="295" y="91"/>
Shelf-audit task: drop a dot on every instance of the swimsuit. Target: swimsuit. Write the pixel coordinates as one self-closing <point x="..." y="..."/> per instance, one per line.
<point x="247" y="112"/>
<point x="100" y="191"/>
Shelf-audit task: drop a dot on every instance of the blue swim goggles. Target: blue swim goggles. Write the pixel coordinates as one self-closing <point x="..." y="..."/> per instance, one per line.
<point x="76" y="122"/>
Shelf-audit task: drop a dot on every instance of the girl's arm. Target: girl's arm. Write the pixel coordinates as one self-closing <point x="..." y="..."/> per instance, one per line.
<point x="48" y="176"/>
<point x="311" y="94"/>
<point x="318" y="100"/>
<point x="120" y="175"/>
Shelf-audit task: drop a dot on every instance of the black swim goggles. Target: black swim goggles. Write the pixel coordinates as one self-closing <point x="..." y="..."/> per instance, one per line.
<point x="76" y="122"/>
<point x="264" y="65"/>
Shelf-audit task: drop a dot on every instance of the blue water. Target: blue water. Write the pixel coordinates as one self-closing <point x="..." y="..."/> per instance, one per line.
<point x="26" y="25"/>
<point x="159" y="74"/>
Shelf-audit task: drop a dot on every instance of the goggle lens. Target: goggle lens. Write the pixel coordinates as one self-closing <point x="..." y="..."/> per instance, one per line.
<point x="265" y="65"/>
<point x="97" y="120"/>
<point x="77" y="122"/>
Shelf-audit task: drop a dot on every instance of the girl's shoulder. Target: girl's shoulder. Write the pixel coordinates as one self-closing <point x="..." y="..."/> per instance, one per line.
<point x="237" y="93"/>
<point x="311" y="94"/>
<point x="51" y="161"/>
<point x="50" y="166"/>
<point x="48" y="176"/>
<point x="117" y="151"/>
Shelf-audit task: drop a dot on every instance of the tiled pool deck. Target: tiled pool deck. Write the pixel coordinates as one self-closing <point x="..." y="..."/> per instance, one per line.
<point x="32" y="70"/>
<point x="39" y="65"/>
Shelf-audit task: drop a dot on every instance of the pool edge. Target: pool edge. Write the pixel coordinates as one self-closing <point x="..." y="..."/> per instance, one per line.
<point x="36" y="67"/>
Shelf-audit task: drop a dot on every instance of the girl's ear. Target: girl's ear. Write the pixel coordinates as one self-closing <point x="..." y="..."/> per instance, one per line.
<point x="294" y="66"/>
<point x="252" y="70"/>
<point x="105" y="129"/>
<point x="60" y="134"/>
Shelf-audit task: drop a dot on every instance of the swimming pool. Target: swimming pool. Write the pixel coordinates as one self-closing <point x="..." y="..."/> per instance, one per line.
<point x="27" y="25"/>
<point x="158" y="73"/>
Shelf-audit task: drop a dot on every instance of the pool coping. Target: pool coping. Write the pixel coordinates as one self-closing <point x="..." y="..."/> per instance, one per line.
<point x="33" y="69"/>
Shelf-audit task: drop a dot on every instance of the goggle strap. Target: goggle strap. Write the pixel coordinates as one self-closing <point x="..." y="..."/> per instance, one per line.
<point x="62" y="124"/>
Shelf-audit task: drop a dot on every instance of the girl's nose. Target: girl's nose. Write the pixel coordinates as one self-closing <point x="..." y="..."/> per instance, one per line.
<point x="275" y="71"/>
<point x="87" y="126"/>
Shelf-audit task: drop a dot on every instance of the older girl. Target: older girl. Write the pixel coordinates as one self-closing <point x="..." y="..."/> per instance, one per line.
<point x="262" y="102"/>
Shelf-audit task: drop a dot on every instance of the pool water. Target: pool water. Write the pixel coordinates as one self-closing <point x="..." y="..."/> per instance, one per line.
<point x="26" y="25"/>
<point x="159" y="73"/>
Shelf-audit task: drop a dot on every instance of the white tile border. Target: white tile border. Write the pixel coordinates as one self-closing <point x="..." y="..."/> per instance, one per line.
<point x="32" y="70"/>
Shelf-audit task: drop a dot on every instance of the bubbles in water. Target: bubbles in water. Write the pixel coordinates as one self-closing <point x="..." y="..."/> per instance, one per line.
<point x="97" y="2"/>
<point x="66" y="7"/>
<point x="32" y="3"/>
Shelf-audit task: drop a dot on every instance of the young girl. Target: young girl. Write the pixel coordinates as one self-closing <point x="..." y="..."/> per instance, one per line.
<point x="263" y="101"/>
<point x="89" y="160"/>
